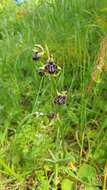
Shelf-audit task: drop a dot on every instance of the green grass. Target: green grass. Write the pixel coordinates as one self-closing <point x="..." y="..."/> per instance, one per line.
<point x="71" y="150"/>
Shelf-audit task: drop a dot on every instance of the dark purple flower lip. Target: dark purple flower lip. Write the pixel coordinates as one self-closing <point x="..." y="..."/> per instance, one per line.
<point x="51" y="68"/>
<point x="51" y="115"/>
<point x="60" y="100"/>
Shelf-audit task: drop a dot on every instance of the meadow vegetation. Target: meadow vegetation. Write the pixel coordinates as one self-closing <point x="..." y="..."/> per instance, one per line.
<point x="53" y="119"/>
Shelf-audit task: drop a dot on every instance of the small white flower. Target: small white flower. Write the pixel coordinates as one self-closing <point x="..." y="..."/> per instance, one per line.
<point x="38" y="114"/>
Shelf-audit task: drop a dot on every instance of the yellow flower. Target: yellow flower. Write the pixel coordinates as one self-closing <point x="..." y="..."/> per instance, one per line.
<point x="72" y="167"/>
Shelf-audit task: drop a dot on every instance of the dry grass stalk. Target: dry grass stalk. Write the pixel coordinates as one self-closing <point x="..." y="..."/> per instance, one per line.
<point x="98" y="68"/>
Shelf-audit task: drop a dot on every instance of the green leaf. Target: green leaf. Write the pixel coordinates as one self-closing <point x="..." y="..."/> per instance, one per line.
<point x="67" y="185"/>
<point x="87" y="173"/>
<point x="45" y="185"/>
<point x="92" y="188"/>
